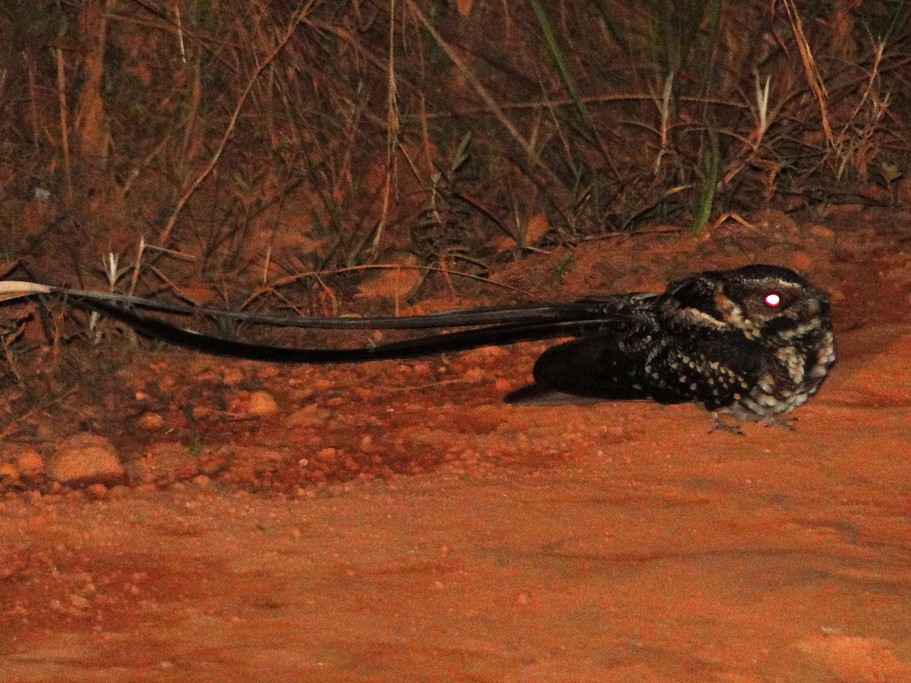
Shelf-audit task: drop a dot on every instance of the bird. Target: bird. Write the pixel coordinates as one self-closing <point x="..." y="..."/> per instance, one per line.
<point x="755" y="341"/>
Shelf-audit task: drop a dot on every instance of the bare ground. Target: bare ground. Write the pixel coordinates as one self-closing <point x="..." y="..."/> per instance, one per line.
<point x="394" y="521"/>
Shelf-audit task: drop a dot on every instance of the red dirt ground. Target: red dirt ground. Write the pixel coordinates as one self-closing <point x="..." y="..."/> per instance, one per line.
<point x="395" y="521"/>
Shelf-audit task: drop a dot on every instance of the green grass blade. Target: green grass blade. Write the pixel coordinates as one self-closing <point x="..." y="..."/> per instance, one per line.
<point x="710" y="166"/>
<point x="556" y="54"/>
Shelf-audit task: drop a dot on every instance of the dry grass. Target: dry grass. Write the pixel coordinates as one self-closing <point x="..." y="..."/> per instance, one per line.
<point x="251" y="143"/>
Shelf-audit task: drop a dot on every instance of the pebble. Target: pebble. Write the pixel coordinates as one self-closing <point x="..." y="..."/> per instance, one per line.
<point x="261" y="404"/>
<point x="151" y="421"/>
<point x="97" y="491"/>
<point x="202" y="481"/>
<point x="29" y="461"/>
<point x="822" y="231"/>
<point x="84" y="459"/>
<point x="162" y="462"/>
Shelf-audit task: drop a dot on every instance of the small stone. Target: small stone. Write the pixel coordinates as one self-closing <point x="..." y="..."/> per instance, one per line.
<point x="151" y="421"/>
<point x="29" y="461"/>
<point x="323" y="384"/>
<point x="822" y="231"/>
<point x="163" y="462"/>
<point x="79" y="602"/>
<point x="232" y="376"/>
<point x="474" y="375"/>
<point x="262" y="404"/>
<point x="202" y="481"/>
<point x="268" y="371"/>
<point x="422" y="369"/>
<point x="98" y="491"/>
<point x="85" y="459"/>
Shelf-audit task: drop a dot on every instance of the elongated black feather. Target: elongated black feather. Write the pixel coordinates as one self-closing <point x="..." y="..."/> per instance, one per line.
<point x="468" y="317"/>
<point x="491" y="335"/>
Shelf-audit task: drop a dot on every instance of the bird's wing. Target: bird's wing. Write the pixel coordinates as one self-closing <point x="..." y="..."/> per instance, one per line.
<point x="608" y="365"/>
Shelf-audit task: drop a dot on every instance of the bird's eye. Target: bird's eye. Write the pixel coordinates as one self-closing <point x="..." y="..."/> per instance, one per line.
<point x="772" y="300"/>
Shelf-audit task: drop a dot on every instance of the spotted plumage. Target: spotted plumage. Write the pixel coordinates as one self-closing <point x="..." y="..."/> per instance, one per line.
<point x="755" y="340"/>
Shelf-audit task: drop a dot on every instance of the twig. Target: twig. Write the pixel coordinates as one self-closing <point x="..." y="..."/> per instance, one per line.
<point x="814" y="78"/>
<point x="8" y="428"/>
<point x="232" y="123"/>
<point x="484" y="94"/>
<point x="64" y="125"/>
<point x="290" y="279"/>
<point x="393" y="127"/>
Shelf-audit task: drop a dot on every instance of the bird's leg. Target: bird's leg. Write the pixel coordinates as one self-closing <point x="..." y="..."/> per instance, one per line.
<point x="719" y="425"/>
<point x="780" y="421"/>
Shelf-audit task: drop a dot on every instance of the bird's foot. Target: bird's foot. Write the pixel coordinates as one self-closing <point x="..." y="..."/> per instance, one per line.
<point x="779" y="421"/>
<point x="720" y="425"/>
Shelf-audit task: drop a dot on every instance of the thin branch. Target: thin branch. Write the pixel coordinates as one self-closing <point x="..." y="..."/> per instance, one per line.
<point x="165" y="234"/>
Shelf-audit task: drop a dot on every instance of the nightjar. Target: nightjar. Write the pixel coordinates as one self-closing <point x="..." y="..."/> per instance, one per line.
<point x="756" y="340"/>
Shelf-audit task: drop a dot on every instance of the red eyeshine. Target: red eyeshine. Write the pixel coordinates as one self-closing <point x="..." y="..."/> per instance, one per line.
<point x="772" y="300"/>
